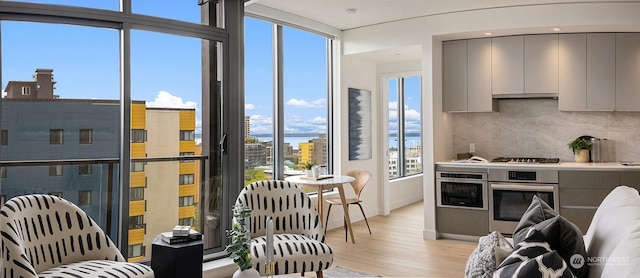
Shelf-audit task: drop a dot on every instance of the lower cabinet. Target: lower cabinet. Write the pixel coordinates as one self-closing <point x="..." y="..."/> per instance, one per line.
<point x="458" y="221"/>
<point x="581" y="192"/>
<point x="579" y="216"/>
<point x="630" y="178"/>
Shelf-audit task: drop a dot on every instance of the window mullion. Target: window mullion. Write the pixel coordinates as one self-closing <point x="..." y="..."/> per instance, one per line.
<point x="401" y="133"/>
<point x="278" y="103"/>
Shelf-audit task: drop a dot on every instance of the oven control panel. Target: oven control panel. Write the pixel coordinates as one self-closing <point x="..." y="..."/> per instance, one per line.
<point x="522" y="176"/>
<point x="525" y="176"/>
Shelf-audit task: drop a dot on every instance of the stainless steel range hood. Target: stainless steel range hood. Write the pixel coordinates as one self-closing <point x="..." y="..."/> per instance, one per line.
<point x="526" y="95"/>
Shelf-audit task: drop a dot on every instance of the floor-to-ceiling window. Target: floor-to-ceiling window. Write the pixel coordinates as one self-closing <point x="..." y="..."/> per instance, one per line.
<point x="286" y="100"/>
<point x="404" y="126"/>
<point x="123" y="100"/>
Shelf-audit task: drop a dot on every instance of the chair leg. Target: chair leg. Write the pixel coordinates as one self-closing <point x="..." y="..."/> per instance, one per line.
<point x="319" y="274"/>
<point x="327" y="222"/>
<point x="365" y="217"/>
<point x="344" y="221"/>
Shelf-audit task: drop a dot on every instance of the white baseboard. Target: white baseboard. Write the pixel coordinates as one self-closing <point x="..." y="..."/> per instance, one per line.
<point x="429" y="234"/>
<point x="459" y="237"/>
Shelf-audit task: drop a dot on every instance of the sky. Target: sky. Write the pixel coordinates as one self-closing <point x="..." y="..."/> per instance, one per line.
<point x="166" y="69"/>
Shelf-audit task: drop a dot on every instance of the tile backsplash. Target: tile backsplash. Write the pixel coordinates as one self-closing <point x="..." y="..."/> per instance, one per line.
<point x="536" y="128"/>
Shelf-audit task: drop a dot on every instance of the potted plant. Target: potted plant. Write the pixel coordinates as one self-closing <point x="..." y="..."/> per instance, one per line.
<point x="308" y="166"/>
<point x="580" y="147"/>
<point x="239" y="248"/>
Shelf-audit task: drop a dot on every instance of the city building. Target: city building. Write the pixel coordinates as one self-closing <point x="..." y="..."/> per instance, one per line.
<point x="72" y="137"/>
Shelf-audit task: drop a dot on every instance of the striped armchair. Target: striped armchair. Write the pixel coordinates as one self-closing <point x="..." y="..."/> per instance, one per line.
<point x="298" y="235"/>
<point x="47" y="236"/>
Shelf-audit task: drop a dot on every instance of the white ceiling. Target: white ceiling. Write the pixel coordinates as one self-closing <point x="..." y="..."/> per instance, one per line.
<point x="370" y="12"/>
<point x="335" y="13"/>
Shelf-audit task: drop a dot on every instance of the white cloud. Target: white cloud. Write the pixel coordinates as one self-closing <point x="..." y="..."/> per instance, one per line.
<point x="167" y="100"/>
<point x="393" y="115"/>
<point x="411" y="114"/>
<point x="393" y="105"/>
<point x="318" y="103"/>
<point x="249" y="106"/>
<point x="260" y="120"/>
<point x="319" y="120"/>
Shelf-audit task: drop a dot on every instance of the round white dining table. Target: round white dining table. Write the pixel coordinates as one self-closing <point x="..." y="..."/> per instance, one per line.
<point x="327" y="182"/>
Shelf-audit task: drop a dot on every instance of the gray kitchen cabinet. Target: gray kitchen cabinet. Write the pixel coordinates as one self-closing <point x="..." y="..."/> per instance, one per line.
<point x="627" y="71"/>
<point x="458" y="221"/>
<point x="541" y="64"/>
<point x="630" y="178"/>
<point x="587" y="74"/>
<point x="588" y="180"/>
<point x="507" y="65"/>
<point x="601" y="72"/>
<point x="479" y="97"/>
<point x="581" y="192"/>
<point x="467" y="76"/>
<point x="572" y="64"/>
<point x="454" y="76"/>
<point x="581" y="217"/>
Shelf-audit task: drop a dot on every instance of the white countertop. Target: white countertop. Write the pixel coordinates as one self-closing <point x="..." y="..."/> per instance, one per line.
<point x="606" y="166"/>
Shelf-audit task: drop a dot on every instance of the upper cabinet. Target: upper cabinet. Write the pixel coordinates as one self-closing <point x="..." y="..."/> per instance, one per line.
<point x="573" y="72"/>
<point x="467" y="76"/>
<point x="599" y="72"/>
<point x="479" y="76"/>
<point x="507" y="65"/>
<point x="587" y="72"/>
<point x="541" y="64"/>
<point x="454" y="76"/>
<point x="628" y="72"/>
<point x="525" y="64"/>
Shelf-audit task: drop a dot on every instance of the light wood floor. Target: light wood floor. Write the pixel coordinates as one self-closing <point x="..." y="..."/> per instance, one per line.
<point x="396" y="247"/>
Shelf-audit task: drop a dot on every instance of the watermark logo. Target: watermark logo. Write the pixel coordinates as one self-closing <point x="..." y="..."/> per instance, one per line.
<point x="577" y="261"/>
<point x="621" y="261"/>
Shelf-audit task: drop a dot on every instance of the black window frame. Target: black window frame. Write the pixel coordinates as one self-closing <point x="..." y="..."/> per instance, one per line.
<point x="136" y="194"/>
<point x="187" y="135"/>
<point x="4" y="137"/>
<point x="54" y="172"/>
<point x="138" y="135"/>
<point x="84" y="197"/>
<point x="56" y="136"/>
<point x="85" y="136"/>
<point x="85" y="169"/>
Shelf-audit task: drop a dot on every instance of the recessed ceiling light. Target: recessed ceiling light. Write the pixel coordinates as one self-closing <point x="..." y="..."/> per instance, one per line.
<point x="488" y="33"/>
<point x="557" y="29"/>
<point x="351" y="11"/>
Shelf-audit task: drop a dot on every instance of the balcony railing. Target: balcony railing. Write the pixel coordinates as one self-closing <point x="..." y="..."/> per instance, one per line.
<point x="162" y="190"/>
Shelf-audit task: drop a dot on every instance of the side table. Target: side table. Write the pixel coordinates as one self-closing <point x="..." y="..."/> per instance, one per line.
<point x="176" y="260"/>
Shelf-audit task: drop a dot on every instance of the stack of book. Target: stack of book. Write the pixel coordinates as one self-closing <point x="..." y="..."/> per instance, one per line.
<point x="181" y="234"/>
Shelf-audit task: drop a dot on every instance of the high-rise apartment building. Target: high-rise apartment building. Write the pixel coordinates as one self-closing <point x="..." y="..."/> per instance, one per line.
<point x="306" y="152"/>
<point x="76" y="145"/>
<point x="247" y="127"/>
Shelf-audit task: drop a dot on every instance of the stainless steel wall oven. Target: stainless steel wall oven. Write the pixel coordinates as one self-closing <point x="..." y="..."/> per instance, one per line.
<point x="466" y="189"/>
<point x="511" y="191"/>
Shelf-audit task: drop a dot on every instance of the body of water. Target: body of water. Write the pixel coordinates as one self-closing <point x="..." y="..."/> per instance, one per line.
<point x="294" y="141"/>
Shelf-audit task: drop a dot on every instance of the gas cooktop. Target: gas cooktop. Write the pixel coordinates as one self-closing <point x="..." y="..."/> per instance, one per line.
<point x="533" y="160"/>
